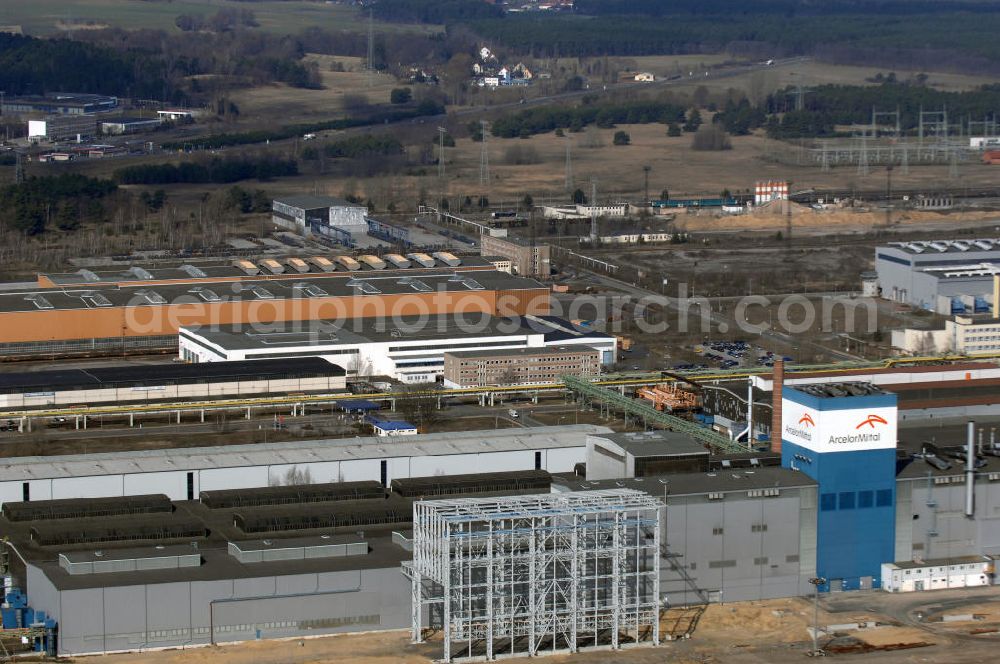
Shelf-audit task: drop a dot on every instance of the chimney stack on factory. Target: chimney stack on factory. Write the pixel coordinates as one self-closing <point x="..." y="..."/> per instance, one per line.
<point x="777" y="382"/>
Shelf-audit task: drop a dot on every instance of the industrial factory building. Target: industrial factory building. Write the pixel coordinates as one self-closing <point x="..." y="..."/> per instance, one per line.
<point x="63" y="128"/>
<point x="730" y="535"/>
<point x="158" y="382"/>
<point x="410" y="349"/>
<point x="945" y="276"/>
<point x="183" y="474"/>
<point x="308" y="214"/>
<point x="529" y="259"/>
<point x="95" y="316"/>
<point x="59" y="103"/>
<point x="521" y="366"/>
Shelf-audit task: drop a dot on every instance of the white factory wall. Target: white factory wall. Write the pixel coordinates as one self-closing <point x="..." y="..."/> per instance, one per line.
<point x="174" y="483"/>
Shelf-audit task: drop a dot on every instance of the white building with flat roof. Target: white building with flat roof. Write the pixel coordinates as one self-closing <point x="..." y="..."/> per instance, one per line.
<point x="411" y="350"/>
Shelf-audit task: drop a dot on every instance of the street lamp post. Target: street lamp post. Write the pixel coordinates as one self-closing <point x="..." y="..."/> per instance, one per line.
<point x="816" y="582"/>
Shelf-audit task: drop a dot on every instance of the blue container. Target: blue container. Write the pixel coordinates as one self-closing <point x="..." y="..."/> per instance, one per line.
<point x="9" y="617"/>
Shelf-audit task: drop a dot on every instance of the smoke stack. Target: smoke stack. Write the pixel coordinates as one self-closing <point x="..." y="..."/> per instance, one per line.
<point x="778" y="381"/>
<point x="970" y="471"/>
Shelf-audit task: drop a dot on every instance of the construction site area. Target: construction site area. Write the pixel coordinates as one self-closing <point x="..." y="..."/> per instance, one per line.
<point x="742" y="632"/>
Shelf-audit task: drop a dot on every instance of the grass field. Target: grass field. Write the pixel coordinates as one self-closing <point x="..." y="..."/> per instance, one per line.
<point x="47" y="17"/>
<point x="259" y="106"/>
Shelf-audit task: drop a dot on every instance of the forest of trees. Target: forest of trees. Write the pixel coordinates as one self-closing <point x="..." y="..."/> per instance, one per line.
<point x="951" y="35"/>
<point x="436" y="11"/>
<point x="62" y="200"/>
<point x="548" y="118"/>
<point x="36" y="66"/>
<point x="216" y="171"/>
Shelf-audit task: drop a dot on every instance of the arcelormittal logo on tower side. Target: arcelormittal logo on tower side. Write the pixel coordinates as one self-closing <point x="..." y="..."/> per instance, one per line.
<point x="871" y="421"/>
<point x="801" y="429"/>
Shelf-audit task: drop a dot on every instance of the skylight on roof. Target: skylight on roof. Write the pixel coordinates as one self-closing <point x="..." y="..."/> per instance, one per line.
<point x="420" y="286"/>
<point x="206" y="294"/>
<point x="39" y="301"/>
<point x="152" y="297"/>
<point x="310" y="290"/>
<point x="93" y="299"/>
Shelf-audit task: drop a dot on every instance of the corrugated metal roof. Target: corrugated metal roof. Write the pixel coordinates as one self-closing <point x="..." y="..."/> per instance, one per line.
<point x="237" y="456"/>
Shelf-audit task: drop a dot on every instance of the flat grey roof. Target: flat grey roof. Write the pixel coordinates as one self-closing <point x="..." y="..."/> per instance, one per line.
<point x="656" y="443"/>
<point x="942" y="562"/>
<point x="684" y="484"/>
<point x="919" y="469"/>
<point x="502" y="352"/>
<point x="20" y="469"/>
<point x="311" y="202"/>
<point x="97" y="553"/>
<point x="371" y="283"/>
<point x="216" y="561"/>
<point x="319" y="334"/>
<point x="273" y="543"/>
<point x="845" y="389"/>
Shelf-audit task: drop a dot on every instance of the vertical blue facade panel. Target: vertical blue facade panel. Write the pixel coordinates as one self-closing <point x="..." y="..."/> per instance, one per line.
<point x="856" y="522"/>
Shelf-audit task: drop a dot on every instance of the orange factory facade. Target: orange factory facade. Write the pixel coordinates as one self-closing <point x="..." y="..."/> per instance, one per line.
<point x="149" y="320"/>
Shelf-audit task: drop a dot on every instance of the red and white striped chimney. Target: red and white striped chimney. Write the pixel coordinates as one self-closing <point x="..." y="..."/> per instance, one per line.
<point x="778" y="381"/>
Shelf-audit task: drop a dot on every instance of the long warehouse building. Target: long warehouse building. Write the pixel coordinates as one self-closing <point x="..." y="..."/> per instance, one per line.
<point x="183" y="474"/>
<point x="409" y="349"/>
<point x="140" y="315"/>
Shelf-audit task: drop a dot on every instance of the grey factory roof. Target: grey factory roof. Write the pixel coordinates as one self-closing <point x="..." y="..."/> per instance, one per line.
<point x="225" y="270"/>
<point x="845" y="389"/>
<point x="522" y="352"/>
<point x="99" y="296"/>
<point x="346" y="449"/>
<point x="216" y="561"/>
<point x="683" y="484"/>
<point x="934" y="247"/>
<point x="656" y="443"/>
<point x="972" y="271"/>
<point x="318" y="334"/>
<point x="311" y="202"/>
<point x="942" y="562"/>
<point x="921" y="469"/>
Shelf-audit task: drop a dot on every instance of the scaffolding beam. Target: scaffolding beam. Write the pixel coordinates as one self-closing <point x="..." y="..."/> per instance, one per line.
<point x="540" y="574"/>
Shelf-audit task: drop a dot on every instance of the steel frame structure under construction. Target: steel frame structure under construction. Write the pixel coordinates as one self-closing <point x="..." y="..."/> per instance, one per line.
<point x="537" y="574"/>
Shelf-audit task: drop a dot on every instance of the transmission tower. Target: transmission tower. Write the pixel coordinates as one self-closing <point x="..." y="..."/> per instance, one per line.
<point x="441" y="132"/>
<point x="569" y="165"/>
<point x="484" y="158"/>
<point x="826" y="156"/>
<point x="953" y="162"/>
<point x="863" y="157"/>
<point x="370" y="62"/>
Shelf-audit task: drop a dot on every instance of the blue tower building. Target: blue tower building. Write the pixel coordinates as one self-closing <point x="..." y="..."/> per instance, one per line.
<point x="843" y="435"/>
